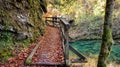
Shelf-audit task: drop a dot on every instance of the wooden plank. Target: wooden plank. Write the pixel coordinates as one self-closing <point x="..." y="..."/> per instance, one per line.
<point x="29" y="58"/>
<point x="51" y="65"/>
<point x="46" y="64"/>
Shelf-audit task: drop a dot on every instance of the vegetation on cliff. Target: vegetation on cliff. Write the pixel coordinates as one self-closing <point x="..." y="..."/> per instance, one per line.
<point x="20" y="23"/>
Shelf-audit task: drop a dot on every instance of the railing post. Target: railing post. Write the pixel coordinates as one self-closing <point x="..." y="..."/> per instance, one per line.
<point x="65" y="43"/>
<point x="67" y="49"/>
<point x="65" y="25"/>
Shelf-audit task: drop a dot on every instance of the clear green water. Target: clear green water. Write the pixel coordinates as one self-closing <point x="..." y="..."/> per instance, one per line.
<point x="91" y="48"/>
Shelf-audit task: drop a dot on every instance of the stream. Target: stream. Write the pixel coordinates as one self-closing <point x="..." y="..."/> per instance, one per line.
<point x="91" y="49"/>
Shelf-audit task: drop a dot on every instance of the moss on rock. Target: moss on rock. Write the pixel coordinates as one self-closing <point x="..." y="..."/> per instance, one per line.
<point x="22" y="16"/>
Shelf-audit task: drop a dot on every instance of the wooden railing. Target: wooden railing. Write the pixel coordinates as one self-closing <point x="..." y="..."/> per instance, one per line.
<point x="63" y="26"/>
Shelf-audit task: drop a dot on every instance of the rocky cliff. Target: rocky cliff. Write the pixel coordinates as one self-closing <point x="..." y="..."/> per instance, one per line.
<point x="23" y="18"/>
<point x="20" y="24"/>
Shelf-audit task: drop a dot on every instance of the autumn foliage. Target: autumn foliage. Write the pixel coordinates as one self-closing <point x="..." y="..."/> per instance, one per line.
<point x="49" y="50"/>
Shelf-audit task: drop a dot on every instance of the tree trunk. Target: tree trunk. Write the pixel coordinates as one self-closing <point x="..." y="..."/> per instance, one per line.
<point x="107" y="39"/>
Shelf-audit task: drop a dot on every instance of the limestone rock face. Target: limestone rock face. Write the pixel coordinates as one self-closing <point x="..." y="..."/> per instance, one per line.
<point x="22" y="16"/>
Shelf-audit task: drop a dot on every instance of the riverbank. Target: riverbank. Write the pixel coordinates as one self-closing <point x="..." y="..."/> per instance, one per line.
<point x="92" y="62"/>
<point x="91" y="48"/>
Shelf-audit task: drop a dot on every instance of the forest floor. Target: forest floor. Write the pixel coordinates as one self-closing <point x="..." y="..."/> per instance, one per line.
<point x="49" y="51"/>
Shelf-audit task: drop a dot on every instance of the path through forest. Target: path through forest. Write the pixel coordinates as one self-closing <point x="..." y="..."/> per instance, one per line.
<point x="49" y="51"/>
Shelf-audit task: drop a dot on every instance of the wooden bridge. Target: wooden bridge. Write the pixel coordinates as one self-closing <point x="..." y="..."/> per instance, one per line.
<point x="63" y="25"/>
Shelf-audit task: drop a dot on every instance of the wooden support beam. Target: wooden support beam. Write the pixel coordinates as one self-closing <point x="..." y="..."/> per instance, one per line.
<point x="78" y="61"/>
<point x="81" y="57"/>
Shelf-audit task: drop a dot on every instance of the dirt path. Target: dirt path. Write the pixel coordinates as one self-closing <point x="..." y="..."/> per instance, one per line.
<point x="49" y="50"/>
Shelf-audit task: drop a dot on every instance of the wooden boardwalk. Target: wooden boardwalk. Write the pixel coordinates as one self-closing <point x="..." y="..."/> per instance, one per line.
<point x="54" y="48"/>
<point x="50" y="50"/>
